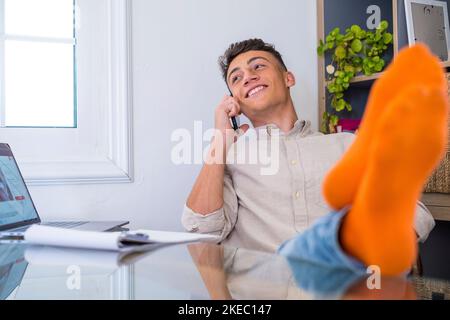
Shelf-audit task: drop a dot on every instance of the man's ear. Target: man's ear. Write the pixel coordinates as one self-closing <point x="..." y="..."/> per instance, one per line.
<point x="290" y="79"/>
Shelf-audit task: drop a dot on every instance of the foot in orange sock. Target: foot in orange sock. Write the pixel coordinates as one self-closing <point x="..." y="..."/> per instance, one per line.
<point x="413" y="66"/>
<point x="406" y="147"/>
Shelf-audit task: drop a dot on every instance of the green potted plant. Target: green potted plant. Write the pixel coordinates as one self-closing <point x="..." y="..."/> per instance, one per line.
<point x="353" y="53"/>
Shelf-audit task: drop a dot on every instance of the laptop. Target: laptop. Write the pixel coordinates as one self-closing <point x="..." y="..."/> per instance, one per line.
<point x="17" y="210"/>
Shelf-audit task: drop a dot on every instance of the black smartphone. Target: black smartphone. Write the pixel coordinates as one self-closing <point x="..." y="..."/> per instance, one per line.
<point x="234" y="123"/>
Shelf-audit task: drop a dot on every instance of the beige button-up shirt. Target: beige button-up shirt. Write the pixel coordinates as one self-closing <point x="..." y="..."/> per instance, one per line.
<point x="267" y="204"/>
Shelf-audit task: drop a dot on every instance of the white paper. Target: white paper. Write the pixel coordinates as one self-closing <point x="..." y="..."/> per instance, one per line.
<point x="60" y="237"/>
<point x="51" y="236"/>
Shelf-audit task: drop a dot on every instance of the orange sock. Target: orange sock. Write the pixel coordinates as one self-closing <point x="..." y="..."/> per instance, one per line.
<point x="407" y="145"/>
<point x="412" y="66"/>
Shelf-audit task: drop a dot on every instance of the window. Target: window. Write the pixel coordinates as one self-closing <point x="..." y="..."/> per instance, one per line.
<point x="37" y="52"/>
<point x="54" y="146"/>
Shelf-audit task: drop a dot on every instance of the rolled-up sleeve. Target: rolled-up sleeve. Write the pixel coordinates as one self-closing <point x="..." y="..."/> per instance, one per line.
<point x="220" y="222"/>
<point x="424" y="222"/>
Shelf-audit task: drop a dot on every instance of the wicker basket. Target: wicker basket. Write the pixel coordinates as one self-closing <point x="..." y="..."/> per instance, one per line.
<point x="429" y="289"/>
<point x="440" y="180"/>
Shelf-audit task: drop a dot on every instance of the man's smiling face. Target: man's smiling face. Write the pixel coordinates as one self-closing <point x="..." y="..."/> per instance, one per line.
<point x="259" y="82"/>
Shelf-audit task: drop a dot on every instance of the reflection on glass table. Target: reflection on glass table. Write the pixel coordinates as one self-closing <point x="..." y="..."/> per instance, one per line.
<point x="248" y="275"/>
<point x="194" y="272"/>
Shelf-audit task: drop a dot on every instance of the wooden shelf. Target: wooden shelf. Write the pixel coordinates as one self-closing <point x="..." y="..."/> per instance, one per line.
<point x="375" y="76"/>
<point x="359" y="79"/>
<point x="438" y="204"/>
<point x="366" y="78"/>
<point x="380" y="74"/>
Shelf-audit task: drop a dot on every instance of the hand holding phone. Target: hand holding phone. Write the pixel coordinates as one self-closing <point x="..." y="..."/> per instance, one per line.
<point x="226" y="114"/>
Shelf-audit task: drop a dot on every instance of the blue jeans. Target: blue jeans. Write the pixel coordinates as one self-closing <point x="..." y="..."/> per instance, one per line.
<point x="319" y="245"/>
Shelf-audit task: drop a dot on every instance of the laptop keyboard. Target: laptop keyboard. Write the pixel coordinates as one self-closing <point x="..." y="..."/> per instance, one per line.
<point x="67" y="225"/>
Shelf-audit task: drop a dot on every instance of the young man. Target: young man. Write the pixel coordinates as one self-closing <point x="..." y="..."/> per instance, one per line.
<point x="236" y="201"/>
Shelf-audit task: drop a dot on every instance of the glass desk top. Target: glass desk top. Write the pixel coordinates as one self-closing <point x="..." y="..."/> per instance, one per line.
<point x="190" y="272"/>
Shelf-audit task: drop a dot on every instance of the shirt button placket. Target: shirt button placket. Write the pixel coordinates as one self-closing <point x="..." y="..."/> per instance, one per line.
<point x="300" y="210"/>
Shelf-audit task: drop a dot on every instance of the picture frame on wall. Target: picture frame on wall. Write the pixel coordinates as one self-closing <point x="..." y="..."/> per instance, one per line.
<point x="427" y="22"/>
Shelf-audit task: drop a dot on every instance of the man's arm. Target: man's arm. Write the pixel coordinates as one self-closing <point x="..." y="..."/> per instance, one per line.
<point x="207" y="194"/>
<point x="209" y="260"/>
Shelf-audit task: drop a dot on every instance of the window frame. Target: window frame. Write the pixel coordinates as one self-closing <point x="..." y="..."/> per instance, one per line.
<point x="5" y="37"/>
<point x="87" y="154"/>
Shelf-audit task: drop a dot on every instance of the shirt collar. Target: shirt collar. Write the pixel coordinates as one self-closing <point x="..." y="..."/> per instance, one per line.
<point x="301" y="128"/>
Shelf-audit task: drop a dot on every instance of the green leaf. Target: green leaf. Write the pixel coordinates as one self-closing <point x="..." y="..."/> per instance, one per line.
<point x="348" y="37"/>
<point x="340" y="52"/>
<point x="357" y="61"/>
<point x="339" y="38"/>
<point x="331" y="88"/>
<point x="355" y="29"/>
<point x="362" y="34"/>
<point x="357" y="45"/>
<point x="340" y="105"/>
<point x="320" y="51"/>
<point x="387" y="38"/>
<point x="383" y="25"/>
<point x="334" y="120"/>
<point x="349" y="68"/>
<point x="368" y="71"/>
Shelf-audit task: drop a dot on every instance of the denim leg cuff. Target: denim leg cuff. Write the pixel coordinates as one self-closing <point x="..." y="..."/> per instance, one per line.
<point x="320" y="245"/>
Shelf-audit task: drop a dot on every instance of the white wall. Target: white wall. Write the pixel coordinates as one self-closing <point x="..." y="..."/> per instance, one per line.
<point x="176" y="44"/>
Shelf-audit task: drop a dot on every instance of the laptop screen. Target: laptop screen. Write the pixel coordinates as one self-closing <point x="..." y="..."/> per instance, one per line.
<point x="15" y="201"/>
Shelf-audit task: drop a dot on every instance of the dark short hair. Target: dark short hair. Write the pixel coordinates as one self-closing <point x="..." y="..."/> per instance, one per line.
<point x="242" y="47"/>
